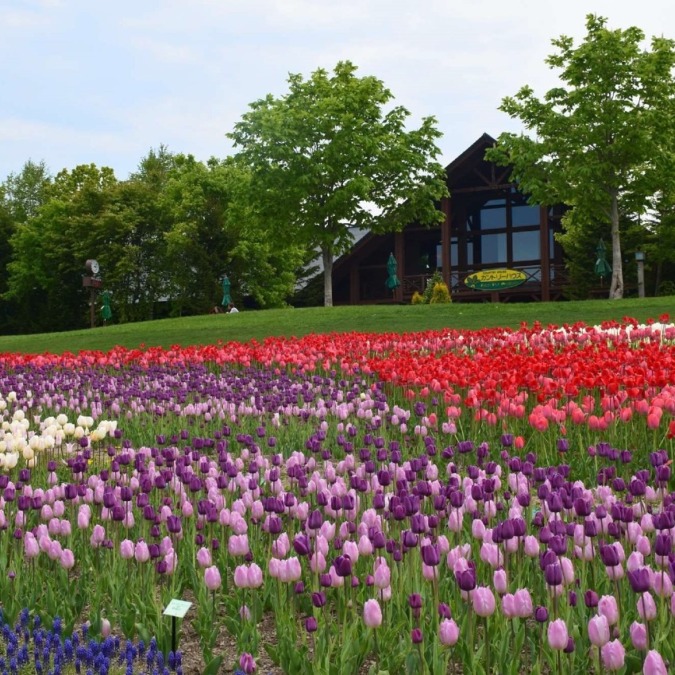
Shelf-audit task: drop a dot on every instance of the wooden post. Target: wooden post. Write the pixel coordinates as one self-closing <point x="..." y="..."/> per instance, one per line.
<point x="445" y="242"/>
<point x="545" y="254"/>
<point x="399" y="254"/>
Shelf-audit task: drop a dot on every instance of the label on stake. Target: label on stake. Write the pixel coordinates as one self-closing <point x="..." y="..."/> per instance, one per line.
<point x="177" y="608"/>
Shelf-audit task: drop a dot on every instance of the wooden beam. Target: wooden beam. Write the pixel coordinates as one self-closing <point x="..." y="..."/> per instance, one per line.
<point x="482" y="188"/>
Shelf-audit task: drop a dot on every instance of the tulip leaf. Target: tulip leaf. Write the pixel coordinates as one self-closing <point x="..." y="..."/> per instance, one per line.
<point x="213" y="666"/>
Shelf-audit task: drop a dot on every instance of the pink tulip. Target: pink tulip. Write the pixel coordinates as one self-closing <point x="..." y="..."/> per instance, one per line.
<point x="654" y="664"/>
<point x="255" y="576"/>
<point x="483" y="601"/>
<point x="127" y="549"/>
<point x="607" y="606"/>
<point x="598" y="630"/>
<point x="509" y="606"/>
<point x="523" y="603"/>
<point x="241" y="577"/>
<point x="557" y="634"/>
<point x="67" y="559"/>
<point x="372" y="614"/>
<point x="382" y="576"/>
<point x="500" y="582"/>
<point x="31" y="548"/>
<point x="212" y="578"/>
<point x="646" y="607"/>
<point x="448" y="632"/>
<point x="204" y="557"/>
<point x="638" y="635"/>
<point x="142" y="552"/>
<point x="613" y="655"/>
<point x="105" y="628"/>
<point x="531" y="546"/>
<point x="237" y="545"/>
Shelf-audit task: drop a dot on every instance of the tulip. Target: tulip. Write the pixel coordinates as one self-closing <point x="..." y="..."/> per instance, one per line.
<point x="372" y="614"/>
<point x="483" y="601"/>
<point x="607" y="605"/>
<point x="638" y="635"/>
<point x="557" y="634"/>
<point x="212" y="578"/>
<point x="613" y="655"/>
<point x="598" y="630"/>
<point x="448" y="632"/>
<point x="654" y="664"/>
<point x="247" y="663"/>
<point x="646" y="607"/>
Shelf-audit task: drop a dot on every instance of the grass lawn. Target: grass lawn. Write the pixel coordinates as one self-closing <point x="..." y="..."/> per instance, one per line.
<point x="245" y="326"/>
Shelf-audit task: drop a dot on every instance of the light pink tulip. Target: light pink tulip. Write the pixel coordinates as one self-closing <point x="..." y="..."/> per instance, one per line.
<point x="372" y="614"/>
<point x="613" y="655"/>
<point x="598" y="630"/>
<point x="448" y="632"/>
<point x="483" y="601"/>
<point x="557" y="634"/>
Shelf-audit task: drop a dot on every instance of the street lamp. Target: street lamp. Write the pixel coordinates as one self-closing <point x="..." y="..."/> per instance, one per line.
<point x="640" y="259"/>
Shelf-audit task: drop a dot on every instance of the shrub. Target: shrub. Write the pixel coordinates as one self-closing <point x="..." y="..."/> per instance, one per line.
<point x="435" y="292"/>
<point x="440" y="294"/>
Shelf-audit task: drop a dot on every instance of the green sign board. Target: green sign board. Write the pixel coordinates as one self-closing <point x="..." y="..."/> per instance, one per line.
<point x="495" y="280"/>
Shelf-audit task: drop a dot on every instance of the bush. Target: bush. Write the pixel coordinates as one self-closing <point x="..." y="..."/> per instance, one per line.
<point x="440" y="294"/>
<point x="436" y="292"/>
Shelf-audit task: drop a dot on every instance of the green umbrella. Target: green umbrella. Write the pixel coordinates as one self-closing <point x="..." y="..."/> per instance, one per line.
<point x="392" y="281"/>
<point x="227" y="298"/>
<point x="602" y="267"/>
<point x="106" y="312"/>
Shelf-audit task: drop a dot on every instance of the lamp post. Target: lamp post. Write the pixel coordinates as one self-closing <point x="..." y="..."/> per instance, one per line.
<point x="640" y="259"/>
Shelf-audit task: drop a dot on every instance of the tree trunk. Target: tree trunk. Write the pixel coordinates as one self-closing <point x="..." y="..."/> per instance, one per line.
<point x="327" y="254"/>
<point x="616" y="287"/>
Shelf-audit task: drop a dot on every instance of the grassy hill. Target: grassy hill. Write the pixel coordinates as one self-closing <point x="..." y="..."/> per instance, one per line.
<point x="257" y="325"/>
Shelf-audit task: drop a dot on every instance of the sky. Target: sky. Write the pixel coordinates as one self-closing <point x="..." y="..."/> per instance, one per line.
<point x="104" y="81"/>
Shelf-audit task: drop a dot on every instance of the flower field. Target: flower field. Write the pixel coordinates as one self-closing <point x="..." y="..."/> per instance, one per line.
<point x="498" y="501"/>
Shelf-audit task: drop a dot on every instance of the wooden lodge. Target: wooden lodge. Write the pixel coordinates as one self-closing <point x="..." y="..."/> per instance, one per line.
<point x="488" y="225"/>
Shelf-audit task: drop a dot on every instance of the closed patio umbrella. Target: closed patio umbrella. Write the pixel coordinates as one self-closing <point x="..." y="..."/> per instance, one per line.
<point x="392" y="281"/>
<point x="106" y="312"/>
<point x="602" y="267"/>
<point x="227" y="298"/>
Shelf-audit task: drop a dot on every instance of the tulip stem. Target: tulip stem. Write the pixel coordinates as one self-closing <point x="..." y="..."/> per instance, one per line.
<point x="487" y="647"/>
<point x="646" y="620"/>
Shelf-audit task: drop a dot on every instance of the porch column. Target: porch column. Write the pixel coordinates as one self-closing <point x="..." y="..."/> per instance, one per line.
<point x="445" y="242"/>
<point x="545" y="253"/>
<point x="399" y="254"/>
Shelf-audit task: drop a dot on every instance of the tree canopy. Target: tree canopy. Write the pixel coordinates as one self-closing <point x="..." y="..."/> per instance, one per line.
<point x="326" y="158"/>
<point x="602" y="141"/>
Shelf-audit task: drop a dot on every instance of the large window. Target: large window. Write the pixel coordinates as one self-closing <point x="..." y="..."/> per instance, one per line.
<point x="500" y="231"/>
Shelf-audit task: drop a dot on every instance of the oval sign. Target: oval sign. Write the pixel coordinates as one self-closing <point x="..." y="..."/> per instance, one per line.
<point x="495" y="280"/>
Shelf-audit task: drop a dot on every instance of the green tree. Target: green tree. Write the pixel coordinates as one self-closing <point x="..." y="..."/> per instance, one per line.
<point x="50" y="248"/>
<point x="23" y="193"/>
<point x="326" y="156"/>
<point x="601" y="139"/>
<point x="213" y="232"/>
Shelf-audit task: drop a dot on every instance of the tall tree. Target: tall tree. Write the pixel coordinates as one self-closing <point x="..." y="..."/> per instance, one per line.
<point x="326" y="157"/>
<point x="23" y="193"/>
<point x="599" y="139"/>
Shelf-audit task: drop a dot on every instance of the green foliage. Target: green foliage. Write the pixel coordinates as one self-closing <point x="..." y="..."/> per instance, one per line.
<point x="417" y="298"/>
<point x="440" y="294"/>
<point x="602" y="142"/>
<point x="435" y="279"/>
<point x="326" y="157"/>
